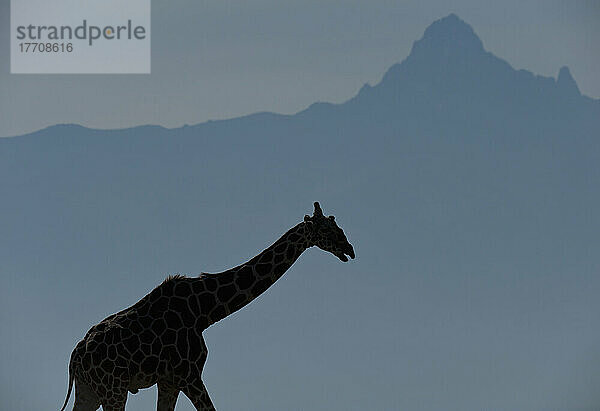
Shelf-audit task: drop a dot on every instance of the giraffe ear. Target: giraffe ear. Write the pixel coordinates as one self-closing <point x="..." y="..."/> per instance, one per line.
<point x="308" y="223"/>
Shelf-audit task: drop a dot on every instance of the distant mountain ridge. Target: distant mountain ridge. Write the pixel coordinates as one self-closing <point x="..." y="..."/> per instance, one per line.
<point x="448" y="66"/>
<point x="450" y="60"/>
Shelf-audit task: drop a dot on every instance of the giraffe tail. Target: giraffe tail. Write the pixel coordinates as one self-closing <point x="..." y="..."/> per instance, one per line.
<point x="71" y="379"/>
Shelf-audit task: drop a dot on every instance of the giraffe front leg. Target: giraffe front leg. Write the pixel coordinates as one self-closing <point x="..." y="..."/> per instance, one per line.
<point x="198" y="395"/>
<point x="167" y="397"/>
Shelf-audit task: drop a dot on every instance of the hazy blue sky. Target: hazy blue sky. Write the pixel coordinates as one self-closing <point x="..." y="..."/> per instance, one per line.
<point x="219" y="59"/>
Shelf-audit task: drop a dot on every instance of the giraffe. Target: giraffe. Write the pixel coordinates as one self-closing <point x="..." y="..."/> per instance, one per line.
<point x="158" y="340"/>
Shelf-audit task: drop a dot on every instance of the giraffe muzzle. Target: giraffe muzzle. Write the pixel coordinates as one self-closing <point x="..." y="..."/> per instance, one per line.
<point x="349" y="250"/>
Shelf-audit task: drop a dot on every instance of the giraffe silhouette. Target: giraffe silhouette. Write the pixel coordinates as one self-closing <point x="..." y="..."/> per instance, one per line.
<point x="159" y="340"/>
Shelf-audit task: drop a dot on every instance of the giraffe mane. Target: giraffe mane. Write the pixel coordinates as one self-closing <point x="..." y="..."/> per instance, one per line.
<point x="173" y="277"/>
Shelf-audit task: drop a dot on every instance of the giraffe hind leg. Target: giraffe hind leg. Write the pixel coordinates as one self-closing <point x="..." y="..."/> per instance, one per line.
<point x="115" y="403"/>
<point x="85" y="398"/>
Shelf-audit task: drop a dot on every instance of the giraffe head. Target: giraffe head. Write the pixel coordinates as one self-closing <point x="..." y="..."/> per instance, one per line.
<point x="325" y="234"/>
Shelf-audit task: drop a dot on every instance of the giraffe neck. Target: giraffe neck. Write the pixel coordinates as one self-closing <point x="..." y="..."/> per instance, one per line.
<point x="240" y="285"/>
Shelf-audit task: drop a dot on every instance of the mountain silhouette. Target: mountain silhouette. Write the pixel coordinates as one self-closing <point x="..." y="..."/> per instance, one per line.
<point x="470" y="192"/>
<point x="449" y="77"/>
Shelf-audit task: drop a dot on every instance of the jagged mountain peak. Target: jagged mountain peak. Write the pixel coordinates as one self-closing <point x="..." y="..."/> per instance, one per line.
<point x="448" y="33"/>
<point x="566" y="81"/>
<point x="448" y="67"/>
<point x="447" y="44"/>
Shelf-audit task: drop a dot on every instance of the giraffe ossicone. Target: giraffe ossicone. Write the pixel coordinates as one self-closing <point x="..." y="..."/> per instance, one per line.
<point x="158" y="340"/>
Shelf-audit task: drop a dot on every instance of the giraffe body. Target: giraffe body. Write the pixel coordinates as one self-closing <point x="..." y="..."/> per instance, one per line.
<point x="159" y="339"/>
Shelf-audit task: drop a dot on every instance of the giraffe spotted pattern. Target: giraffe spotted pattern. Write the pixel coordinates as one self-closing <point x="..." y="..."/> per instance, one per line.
<point x="159" y="339"/>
